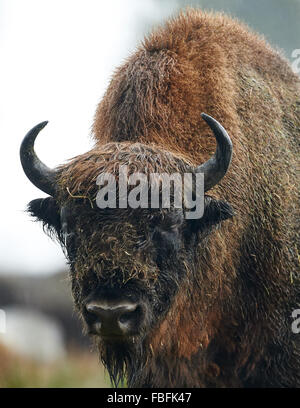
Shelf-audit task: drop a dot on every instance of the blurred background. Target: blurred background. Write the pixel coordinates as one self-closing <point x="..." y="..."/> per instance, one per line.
<point x="57" y="58"/>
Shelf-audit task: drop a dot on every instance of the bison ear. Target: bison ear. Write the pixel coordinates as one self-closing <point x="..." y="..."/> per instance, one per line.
<point x="215" y="211"/>
<point x="47" y="211"/>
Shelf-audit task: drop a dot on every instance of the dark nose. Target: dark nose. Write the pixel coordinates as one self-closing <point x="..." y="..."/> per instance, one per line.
<point x="114" y="318"/>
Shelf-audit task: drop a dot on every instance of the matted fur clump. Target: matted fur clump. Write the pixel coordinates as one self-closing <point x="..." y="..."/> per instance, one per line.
<point x="79" y="176"/>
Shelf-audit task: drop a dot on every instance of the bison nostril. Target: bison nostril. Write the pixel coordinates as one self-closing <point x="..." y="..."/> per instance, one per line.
<point x="130" y="318"/>
<point x="125" y="317"/>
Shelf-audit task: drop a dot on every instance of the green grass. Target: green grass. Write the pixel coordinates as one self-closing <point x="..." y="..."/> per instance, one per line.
<point x="77" y="370"/>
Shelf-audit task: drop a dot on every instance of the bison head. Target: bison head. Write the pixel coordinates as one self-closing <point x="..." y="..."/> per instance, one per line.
<point x="127" y="265"/>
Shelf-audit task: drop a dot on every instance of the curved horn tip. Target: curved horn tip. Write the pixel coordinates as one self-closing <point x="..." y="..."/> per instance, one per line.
<point x="37" y="172"/>
<point x="215" y="125"/>
<point x="216" y="167"/>
<point x="43" y="124"/>
<point x="40" y="126"/>
<point x="205" y="116"/>
<point x="208" y="119"/>
<point x="32" y="134"/>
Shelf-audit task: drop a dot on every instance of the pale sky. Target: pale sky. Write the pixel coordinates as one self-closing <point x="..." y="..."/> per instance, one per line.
<point x="57" y="57"/>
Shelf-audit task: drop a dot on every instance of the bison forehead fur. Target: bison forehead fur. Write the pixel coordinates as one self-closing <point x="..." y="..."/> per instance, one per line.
<point x="214" y="298"/>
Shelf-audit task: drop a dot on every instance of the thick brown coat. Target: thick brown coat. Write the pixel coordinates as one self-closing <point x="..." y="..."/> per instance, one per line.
<point x="202" y="62"/>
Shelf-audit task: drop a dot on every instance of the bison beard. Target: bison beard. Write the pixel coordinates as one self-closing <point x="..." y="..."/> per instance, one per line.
<point x="198" y="303"/>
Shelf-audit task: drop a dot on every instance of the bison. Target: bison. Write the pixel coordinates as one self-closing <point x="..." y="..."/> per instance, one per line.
<point x="171" y="301"/>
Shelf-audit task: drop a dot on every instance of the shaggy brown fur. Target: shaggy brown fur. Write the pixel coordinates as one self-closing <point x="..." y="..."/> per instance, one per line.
<point x="229" y="322"/>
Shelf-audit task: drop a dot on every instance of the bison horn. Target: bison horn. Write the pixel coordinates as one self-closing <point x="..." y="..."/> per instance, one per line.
<point x="37" y="172"/>
<point x="216" y="167"/>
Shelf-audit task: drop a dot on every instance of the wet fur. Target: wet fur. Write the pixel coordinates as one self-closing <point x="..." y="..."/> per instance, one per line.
<point x="219" y="295"/>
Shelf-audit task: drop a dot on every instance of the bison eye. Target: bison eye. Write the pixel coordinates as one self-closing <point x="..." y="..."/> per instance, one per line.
<point x="166" y="232"/>
<point x="167" y="240"/>
<point x="67" y="231"/>
<point x="70" y="245"/>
